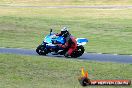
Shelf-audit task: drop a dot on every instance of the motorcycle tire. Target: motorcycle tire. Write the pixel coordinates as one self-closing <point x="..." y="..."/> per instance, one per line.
<point x="79" y="52"/>
<point x="41" y="50"/>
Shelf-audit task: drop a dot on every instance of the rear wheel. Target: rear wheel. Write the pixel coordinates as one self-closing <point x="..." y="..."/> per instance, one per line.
<point x="41" y="50"/>
<point x="79" y="52"/>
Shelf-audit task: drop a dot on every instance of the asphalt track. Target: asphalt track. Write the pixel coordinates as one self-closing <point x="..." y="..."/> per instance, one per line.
<point x="72" y="6"/>
<point x="85" y="56"/>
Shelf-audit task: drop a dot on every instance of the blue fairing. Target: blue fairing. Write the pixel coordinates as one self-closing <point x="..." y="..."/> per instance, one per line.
<point x="51" y="39"/>
<point x="59" y="39"/>
<point x="48" y="39"/>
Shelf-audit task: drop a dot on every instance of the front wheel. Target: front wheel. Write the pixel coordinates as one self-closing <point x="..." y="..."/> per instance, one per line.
<point x="41" y="50"/>
<point x="79" y="52"/>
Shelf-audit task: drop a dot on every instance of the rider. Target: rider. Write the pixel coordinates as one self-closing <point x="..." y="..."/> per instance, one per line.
<point x="70" y="44"/>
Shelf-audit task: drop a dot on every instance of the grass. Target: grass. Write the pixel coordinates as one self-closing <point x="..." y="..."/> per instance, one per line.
<point x="66" y="2"/>
<point x="109" y="30"/>
<point x="17" y="71"/>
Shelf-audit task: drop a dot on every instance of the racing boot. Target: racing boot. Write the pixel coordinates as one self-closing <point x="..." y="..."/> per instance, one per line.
<point x="67" y="55"/>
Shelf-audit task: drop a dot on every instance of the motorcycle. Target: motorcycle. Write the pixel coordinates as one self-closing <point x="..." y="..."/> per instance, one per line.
<point x="49" y="45"/>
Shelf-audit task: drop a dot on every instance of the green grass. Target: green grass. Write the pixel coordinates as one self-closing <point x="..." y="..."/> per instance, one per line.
<point x="17" y="71"/>
<point x="109" y="30"/>
<point x="66" y="2"/>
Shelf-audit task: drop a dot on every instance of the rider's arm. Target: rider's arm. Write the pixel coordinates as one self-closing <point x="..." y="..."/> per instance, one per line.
<point x="63" y="46"/>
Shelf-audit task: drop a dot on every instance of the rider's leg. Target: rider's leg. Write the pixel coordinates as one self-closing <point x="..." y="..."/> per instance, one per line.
<point x="69" y="52"/>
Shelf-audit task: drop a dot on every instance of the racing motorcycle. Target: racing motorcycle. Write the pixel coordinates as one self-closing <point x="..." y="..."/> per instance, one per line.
<point x="49" y="45"/>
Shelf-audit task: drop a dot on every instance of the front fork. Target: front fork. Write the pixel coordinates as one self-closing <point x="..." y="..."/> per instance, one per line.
<point x="49" y="49"/>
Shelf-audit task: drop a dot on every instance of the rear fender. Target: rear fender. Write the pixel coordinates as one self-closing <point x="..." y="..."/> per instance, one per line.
<point x="81" y="41"/>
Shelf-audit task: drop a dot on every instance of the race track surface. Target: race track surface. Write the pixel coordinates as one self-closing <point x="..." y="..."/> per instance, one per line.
<point x="85" y="56"/>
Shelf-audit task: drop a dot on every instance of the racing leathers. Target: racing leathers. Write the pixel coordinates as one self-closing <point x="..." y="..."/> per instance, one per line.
<point x="70" y="45"/>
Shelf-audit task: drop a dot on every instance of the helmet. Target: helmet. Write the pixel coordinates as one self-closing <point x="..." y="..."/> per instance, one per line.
<point x="64" y="29"/>
<point x="64" y="32"/>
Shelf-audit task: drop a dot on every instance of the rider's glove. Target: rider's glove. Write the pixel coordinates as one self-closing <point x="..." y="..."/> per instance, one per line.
<point x="60" y="45"/>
